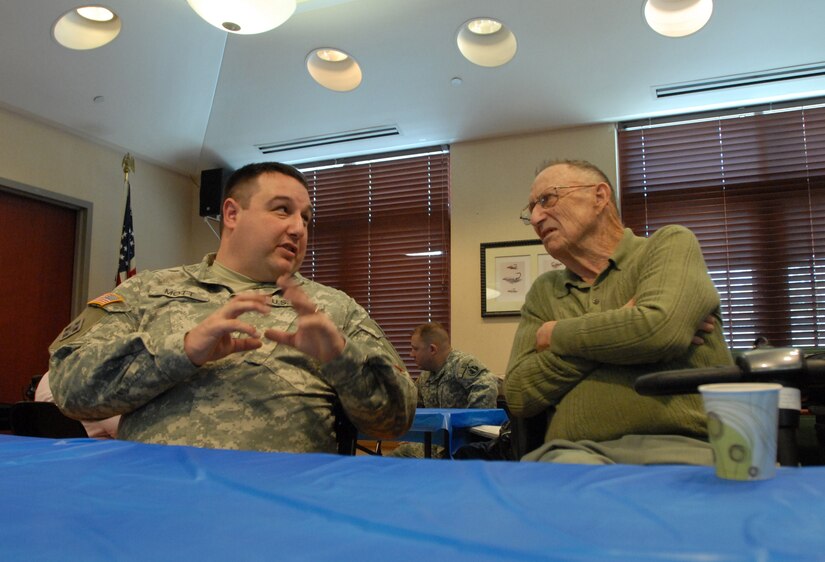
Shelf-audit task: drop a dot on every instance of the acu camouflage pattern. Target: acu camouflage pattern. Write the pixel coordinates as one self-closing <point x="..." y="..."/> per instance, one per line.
<point x="128" y="358"/>
<point x="463" y="382"/>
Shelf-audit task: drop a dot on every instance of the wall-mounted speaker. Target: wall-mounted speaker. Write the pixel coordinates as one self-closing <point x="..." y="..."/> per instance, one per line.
<point x="211" y="196"/>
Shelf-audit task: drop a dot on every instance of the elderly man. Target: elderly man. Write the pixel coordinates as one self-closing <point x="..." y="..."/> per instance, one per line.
<point x="239" y="351"/>
<point x="625" y="306"/>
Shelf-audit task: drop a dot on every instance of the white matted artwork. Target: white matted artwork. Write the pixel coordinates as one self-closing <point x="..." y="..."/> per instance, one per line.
<point x="508" y="269"/>
<point x="512" y="277"/>
<point x="548" y="263"/>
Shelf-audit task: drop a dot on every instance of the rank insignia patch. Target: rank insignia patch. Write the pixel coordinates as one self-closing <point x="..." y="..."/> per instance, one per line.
<point x="106" y="299"/>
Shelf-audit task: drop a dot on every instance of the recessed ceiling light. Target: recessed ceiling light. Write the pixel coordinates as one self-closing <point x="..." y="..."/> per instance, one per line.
<point x="331" y="55"/>
<point x="96" y="13"/>
<point x="484" y="26"/>
<point x="334" y="69"/>
<point x="245" y="17"/>
<point x="486" y="42"/>
<point x="677" y="18"/>
<point x="86" y="27"/>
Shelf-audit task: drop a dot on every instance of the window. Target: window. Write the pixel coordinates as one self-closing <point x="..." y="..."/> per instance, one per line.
<point x="381" y="233"/>
<point x="751" y="186"/>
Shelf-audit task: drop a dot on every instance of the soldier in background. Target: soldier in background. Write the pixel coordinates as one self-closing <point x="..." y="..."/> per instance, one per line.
<point x="449" y="379"/>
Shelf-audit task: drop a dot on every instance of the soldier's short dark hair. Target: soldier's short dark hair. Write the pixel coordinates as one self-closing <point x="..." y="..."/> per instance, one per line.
<point x="432" y="332"/>
<point x="238" y="186"/>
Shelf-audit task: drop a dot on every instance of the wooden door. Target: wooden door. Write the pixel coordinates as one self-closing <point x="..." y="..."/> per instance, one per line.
<point x="37" y="251"/>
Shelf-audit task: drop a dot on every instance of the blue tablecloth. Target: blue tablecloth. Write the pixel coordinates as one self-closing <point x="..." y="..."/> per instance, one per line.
<point x="90" y="500"/>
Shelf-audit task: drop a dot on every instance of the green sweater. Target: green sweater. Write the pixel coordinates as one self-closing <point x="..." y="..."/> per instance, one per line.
<point x="599" y="347"/>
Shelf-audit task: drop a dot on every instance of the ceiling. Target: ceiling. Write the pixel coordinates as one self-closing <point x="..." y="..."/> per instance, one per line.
<point x="183" y="94"/>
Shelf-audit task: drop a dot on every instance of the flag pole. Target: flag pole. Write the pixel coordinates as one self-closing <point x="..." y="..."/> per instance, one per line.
<point x="128" y="164"/>
<point x="126" y="262"/>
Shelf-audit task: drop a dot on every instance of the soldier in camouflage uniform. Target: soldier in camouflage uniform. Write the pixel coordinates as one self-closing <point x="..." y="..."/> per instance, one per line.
<point x="450" y="379"/>
<point x="239" y="351"/>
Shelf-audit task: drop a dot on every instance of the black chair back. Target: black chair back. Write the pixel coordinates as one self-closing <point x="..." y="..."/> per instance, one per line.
<point x="43" y="419"/>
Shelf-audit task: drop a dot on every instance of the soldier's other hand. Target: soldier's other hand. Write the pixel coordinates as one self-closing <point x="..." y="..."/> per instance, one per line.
<point x="316" y="335"/>
<point x="215" y="338"/>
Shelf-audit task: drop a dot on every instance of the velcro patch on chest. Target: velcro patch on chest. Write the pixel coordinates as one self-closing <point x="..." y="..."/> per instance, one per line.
<point x="71" y="329"/>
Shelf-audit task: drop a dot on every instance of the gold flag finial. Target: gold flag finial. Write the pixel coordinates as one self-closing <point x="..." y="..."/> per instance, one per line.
<point x="128" y="164"/>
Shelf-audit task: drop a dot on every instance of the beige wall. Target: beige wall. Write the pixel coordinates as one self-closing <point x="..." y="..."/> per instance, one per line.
<point x="38" y="156"/>
<point x="490" y="182"/>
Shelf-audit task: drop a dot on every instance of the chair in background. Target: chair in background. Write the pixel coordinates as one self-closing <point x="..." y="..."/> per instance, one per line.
<point x="43" y="419"/>
<point x="5" y="412"/>
<point x="345" y="433"/>
<point x="526" y="433"/>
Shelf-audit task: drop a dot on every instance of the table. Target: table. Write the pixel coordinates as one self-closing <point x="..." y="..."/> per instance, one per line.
<point x="453" y="424"/>
<point x="82" y="499"/>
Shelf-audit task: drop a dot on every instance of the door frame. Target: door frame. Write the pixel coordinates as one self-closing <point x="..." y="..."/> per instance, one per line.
<point x="83" y="233"/>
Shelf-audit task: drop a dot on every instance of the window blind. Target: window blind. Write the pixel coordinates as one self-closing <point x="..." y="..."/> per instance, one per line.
<point x="368" y="216"/>
<point x="751" y="186"/>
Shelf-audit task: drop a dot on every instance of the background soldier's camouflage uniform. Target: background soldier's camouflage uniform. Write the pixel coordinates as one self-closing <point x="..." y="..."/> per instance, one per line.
<point x="463" y="382"/>
<point x="128" y="358"/>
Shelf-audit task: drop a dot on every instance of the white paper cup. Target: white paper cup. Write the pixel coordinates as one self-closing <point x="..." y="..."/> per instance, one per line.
<point x="743" y="420"/>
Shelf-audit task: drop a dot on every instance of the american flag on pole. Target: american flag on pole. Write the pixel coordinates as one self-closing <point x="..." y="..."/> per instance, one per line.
<point x="126" y="264"/>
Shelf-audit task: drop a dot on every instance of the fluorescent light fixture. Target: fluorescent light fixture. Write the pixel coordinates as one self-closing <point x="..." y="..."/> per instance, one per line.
<point x="334" y="69"/>
<point x="486" y="42"/>
<point x="86" y="27"/>
<point x="677" y="18"/>
<point x="425" y="254"/>
<point x="245" y="17"/>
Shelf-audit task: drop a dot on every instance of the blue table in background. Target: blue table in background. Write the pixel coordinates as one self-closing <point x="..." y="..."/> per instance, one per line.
<point x="82" y="499"/>
<point x="452" y="424"/>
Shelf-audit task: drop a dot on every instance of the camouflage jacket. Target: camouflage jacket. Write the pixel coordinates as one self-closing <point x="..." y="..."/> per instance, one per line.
<point x="124" y="355"/>
<point x="463" y="382"/>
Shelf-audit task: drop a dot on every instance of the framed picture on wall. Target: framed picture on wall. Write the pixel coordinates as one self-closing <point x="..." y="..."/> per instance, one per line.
<point x="507" y="271"/>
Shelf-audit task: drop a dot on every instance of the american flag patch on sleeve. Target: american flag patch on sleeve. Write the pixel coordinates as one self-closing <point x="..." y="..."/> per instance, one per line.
<point x="106" y="299"/>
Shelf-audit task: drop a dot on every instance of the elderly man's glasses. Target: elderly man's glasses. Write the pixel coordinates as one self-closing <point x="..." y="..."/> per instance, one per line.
<point x="548" y="199"/>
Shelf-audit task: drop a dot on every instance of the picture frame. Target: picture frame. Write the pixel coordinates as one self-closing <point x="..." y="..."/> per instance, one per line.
<point x="508" y="269"/>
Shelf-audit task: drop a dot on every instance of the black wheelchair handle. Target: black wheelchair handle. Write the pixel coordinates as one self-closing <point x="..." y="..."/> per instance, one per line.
<point x="784" y="365"/>
<point x="685" y="381"/>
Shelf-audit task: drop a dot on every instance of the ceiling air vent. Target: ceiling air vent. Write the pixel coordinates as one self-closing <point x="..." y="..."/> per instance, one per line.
<point x="739" y="80"/>
<point x="332" y="138"/>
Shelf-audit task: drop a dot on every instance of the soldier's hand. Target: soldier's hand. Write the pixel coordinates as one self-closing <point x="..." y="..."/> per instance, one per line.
<point x="215" y="338"/>
<point x="316" y="335"/>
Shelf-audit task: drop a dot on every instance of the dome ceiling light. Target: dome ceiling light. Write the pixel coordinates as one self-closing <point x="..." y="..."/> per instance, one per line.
<point x="677" y="18"/>
<point x="486" y="42"/>
<point x="86" y="27"/>
<point x="245" y="17"/>
<point x="334" y="69"/>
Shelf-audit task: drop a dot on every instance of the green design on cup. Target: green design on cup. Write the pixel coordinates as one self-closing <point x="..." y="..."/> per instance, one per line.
<point x="734" y="457"/>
